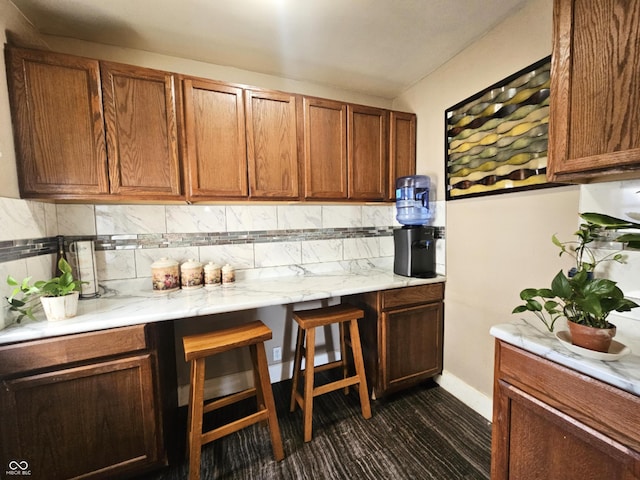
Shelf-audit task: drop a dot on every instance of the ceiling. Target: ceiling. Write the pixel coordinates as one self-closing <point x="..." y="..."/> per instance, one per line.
<point x="377" y="47"/>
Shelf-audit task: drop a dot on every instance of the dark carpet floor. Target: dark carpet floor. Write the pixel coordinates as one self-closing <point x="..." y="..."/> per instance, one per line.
<point x="420" y="433"/>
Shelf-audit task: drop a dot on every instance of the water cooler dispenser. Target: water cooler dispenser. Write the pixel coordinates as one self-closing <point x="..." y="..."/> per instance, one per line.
<point x="415" y="253"/>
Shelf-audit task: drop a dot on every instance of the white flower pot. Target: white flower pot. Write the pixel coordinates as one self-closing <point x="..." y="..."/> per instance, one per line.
<point x="59" y="308"/>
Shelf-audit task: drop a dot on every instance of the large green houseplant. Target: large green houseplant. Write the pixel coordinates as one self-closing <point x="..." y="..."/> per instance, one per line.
<point x="580" y="297"/>
<point x="58" y="295"/>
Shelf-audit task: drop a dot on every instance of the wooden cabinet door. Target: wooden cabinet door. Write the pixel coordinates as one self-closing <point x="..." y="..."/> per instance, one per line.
<point x="413" y="350"/>
<point x="216" y="152"/>
<point x="595" y="91"/>
<point x="402" y="149"/>
<point x="271" y="144"/>
<point x="58" y="124"/>
<point x="142" y="131"/>
<point x="544" y="443"/>
<point x="91" y="421"/>
<point x="325" y="149"/>
<point x="367" y="151"/>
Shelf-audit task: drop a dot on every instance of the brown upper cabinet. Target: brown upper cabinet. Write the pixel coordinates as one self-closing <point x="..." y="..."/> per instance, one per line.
<point x="142" y="131"/>
<point x="345" y="150"/>
<point x="216" y="152"/>
<point x="595" y="92"/>
<point x="272" y="151"/>
<point x="56" y="107"/>
<point x="76" y="140"/>
<point x="325" y="149"/>
<point x="367" y="152"/>
<point x="89" y="130"/>
<point x="402" y="148"/>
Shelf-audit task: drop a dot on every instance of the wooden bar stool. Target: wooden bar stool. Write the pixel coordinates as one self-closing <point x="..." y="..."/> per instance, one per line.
<point x="196" y="349"/>
<point x="307" y="321"/>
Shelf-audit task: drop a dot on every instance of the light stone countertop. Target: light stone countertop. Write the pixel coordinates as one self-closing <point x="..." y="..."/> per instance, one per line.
<point x="133" y="302"/>
<point x="530" y="334"/>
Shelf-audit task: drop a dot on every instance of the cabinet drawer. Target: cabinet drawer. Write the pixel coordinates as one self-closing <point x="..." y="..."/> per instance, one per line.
<point x="596" y="404"/>
<point x="40" y="354"/>
<point x="412" y="295"/>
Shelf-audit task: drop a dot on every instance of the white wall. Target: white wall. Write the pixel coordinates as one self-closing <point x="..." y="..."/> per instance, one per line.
<point x="496" y="245"/>
<point x="12" y="24"/>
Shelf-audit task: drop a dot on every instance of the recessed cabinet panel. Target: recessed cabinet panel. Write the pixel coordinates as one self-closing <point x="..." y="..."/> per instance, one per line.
<point x="325" y="149"/>
<point x="402" y="149"/>
<point x="367" y="151"/>
<point x="142" y="135"/>
<point x="216" y="143"/>
<point x="62" y="424"/>
<point x="595" y="92"/>
<point x="414" y="336"/>
<point x="58" y="124"/>
<point x="271" y="144"/>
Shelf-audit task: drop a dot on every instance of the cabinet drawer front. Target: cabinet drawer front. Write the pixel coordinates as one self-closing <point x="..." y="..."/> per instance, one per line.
<point x="412" y="295"/>
<point x="609" y="410"/>
<point x="39" y="354"/>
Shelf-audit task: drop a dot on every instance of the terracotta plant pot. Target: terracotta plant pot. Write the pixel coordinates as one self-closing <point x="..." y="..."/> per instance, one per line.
<point x="598" y="339"/>
<point x="59" y="308"/>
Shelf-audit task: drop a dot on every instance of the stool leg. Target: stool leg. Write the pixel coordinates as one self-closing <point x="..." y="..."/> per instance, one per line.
<point x="196" y="405"/>
<point x="297" y="365"/>
<point x="310" y="350"/>
<point x="256" y="380"/>
<point x="343" y="356"/>
<point x="267" y="394"/>
<point x="359" y="365"/>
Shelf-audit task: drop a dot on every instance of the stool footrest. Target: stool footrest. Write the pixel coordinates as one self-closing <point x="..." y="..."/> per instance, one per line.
<point x="326" y="366"/>
<point x="337" y="385"/>
<point x="233" y="427"/>
<point x="229" y="400"/>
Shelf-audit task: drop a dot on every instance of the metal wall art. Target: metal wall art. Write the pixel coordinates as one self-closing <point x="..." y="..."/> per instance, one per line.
<point x="496" y="140"/>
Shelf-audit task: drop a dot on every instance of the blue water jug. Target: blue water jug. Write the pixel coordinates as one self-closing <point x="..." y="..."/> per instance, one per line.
<point x="412" y="200"/>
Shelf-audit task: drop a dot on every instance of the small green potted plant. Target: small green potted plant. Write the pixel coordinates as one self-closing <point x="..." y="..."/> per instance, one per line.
<point x="584" y="300"/>
<point x="58" y="295"/>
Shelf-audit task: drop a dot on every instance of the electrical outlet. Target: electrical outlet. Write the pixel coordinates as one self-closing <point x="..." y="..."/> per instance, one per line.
<point x="277" y="354"/>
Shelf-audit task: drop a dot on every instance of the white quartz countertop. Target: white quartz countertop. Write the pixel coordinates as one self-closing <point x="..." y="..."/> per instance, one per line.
<point x="531" y="335"/>
<point x="133" y="301"/>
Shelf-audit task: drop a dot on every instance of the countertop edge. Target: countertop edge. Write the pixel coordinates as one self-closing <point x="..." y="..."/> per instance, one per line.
<point x="132" y="302"/>
<point x="623" y="373"/>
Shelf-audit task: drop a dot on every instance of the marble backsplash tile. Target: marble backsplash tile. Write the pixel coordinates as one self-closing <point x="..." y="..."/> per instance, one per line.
<point x="253" y="217"/>
<point x="252" y="238"/>
<point x="316" y="251"/>
<point x="129" y="219"/>
<point x="196" y="218"/>
<point x="292" y="217"/>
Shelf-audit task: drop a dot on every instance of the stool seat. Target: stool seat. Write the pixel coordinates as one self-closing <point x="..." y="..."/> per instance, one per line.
<point x="319" y="317"/>
<point x="196" y="349"/>
<point x="308" y="321"/>
<point x="211" y="343"/>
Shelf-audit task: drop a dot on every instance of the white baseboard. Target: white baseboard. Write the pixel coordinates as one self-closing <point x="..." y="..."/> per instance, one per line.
<point x="466" y="394"/>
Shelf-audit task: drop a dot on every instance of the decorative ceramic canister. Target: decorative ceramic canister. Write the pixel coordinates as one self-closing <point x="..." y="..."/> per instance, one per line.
<point x="165" y="275"/>
<point x="212" y="275"/>
<point x="228" y="276"/>
<point x="191" y="274"/>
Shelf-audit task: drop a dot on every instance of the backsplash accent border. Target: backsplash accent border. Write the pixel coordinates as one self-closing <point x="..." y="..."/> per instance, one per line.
<point x="18" y="249"/>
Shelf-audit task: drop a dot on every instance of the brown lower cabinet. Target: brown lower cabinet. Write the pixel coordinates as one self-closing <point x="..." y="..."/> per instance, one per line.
<point x="92" y="405"/>
<point x="401" y="335"/>
<point x="552" y="422"/>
